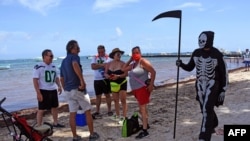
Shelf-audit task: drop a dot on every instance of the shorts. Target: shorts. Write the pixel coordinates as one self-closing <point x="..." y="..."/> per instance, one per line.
<point x="247" y="62"/>
<point x="102" y="86"/>
<point x="142" y="95"/>
<point x="77" y="99"/>
<point x="50" y="100"/>
<point x="124" y="86"/>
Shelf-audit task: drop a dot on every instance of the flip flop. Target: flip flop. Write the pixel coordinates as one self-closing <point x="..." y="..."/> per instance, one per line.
<point x="110" y="113"/>
<point x="219" y="131"/>
<point x="96" y="116"/>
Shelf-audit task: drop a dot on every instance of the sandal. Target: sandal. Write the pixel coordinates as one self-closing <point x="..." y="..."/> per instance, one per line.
<point x="96" y="115"/>
<point x="110" y="113"/>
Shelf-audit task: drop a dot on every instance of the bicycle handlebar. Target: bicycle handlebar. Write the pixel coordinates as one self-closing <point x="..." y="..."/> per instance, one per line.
<point x="2" y="101"/>
<point x="2" y="109"/>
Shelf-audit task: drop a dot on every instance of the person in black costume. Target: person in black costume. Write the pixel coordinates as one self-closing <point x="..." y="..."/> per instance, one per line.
<point x="211" y="81"/>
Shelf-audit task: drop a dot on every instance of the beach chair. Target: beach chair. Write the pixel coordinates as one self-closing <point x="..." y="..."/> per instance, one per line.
<point x="20" y="130"/>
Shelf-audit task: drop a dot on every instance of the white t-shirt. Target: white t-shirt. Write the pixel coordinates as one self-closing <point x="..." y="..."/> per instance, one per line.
<point x="247" y="56"/>
<point x="99" y="73"/>
<point x="47" y="75"/>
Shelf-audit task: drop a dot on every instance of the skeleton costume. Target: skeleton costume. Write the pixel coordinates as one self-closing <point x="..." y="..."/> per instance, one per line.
<point x="211" y="82"/>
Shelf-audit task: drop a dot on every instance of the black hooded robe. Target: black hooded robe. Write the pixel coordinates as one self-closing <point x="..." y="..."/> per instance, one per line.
<point x="212" y="78"/>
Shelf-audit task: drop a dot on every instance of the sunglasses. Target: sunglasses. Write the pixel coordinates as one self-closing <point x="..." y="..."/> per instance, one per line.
<point x="118" y="54"/>
<point x="51" y="56"/>
<point x="101" y="51"/>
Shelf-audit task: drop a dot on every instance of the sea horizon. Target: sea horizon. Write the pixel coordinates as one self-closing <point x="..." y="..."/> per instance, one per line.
<point x="147" y="54"/>
<point x="17" y="86"/>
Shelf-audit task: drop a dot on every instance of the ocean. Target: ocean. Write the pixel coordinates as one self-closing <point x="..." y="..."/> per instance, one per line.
<point x="17" y="86"/>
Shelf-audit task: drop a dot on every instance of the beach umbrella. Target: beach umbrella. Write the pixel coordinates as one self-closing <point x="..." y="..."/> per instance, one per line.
<point x="174" y="14"/>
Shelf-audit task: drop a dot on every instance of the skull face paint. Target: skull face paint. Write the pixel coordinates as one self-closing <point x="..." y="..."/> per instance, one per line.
<point x="202" y="40"/>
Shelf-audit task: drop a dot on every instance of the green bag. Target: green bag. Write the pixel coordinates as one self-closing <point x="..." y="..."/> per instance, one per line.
<point x="131" y="126"/>
<point x="115" y="87"/>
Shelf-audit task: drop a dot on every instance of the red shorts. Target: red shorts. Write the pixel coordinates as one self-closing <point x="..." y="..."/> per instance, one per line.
<point x="142" y="95"/>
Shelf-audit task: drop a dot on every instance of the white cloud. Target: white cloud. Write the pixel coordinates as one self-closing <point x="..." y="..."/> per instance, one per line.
<point x="224" y="9"/>
<point x="191" y="5"/>
<point x="8" y="36"/>
<point x="41" y="6"/>
<point x="56" y="36"/>
<point x="118" y="31"/>
<point x="117" y="35"/>
<point x="107" y="5"/>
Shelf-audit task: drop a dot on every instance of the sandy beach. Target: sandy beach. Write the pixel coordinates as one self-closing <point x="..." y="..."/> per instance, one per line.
<point x="236" y="110"/>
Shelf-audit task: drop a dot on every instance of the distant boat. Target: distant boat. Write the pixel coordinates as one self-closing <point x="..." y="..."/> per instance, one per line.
<point x="89" y="57"/>
<point x="40" y="59"/>
<point x="61" y="57"/>
<point x="5" y="67"/>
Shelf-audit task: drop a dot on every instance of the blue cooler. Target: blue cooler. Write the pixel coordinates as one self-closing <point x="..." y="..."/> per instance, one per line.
<point x="80" y="118"/>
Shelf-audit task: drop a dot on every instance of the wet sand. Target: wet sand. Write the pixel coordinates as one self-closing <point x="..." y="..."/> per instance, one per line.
<point x="236" y="110"/>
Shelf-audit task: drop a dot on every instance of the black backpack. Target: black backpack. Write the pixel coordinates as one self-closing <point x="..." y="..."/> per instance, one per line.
<point x="131" y="125"/>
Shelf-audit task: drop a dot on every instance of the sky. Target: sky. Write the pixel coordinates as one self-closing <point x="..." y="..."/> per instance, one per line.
<point x="27" y="27"/>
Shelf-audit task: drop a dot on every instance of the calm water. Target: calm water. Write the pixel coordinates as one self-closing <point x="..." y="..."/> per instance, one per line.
<point x="16" y="83"/>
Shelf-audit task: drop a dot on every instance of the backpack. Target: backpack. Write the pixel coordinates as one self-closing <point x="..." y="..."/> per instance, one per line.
<point x="131" y="125"/>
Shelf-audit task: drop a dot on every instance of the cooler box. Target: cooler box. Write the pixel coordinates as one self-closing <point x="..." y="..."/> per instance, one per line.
<point x="80" y="118"/>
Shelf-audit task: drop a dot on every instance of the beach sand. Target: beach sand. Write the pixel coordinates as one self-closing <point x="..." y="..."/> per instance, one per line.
<point x="236" y="110"/>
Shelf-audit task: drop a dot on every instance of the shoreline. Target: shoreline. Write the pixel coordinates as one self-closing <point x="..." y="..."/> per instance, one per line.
<point x="161" y="110"/>
<point x="25" y="98"/>
<point x="30" y="113"/>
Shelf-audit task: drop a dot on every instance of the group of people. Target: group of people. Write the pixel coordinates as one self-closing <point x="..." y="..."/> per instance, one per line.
<point x="110" y="76"/>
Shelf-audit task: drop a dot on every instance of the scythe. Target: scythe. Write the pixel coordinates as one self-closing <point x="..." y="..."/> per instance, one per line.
<point x="174" y="14"/>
